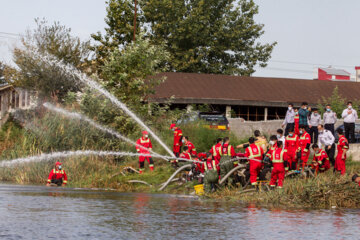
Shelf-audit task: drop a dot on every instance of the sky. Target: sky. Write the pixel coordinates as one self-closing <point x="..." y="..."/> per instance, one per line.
<point x="309" y="33"/>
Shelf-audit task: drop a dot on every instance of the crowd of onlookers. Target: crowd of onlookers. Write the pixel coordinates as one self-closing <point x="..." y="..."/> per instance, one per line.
<point x="311" y="119"/>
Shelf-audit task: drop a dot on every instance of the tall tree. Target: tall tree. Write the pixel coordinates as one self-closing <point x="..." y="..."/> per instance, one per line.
<point x="57" y="40"/>
<point x="205" y="36"/>
<point x="120" y="29"/>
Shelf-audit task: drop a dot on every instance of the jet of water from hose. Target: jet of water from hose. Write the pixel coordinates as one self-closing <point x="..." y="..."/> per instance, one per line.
<point x="71" y="70"/>
<point x="75" y="115"/>
<point x="67" y="154"/>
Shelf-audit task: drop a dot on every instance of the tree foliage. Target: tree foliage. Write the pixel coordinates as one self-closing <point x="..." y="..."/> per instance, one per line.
<point x="127" y="74"/>
<point x="120" y="17"/>
<point x="212" y="36"/>
<point x="56" y="40"/>
<point x="337" y="102"/>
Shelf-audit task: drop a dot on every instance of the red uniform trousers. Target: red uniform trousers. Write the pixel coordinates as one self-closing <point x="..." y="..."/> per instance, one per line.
<point x="255" y="168"/>
<point x="304" y="158"/>
<point x="291" y="158"/>
<point x="142" y="162"/>
<point x="277" y="174"/>
<point x="176" y="150"/>
<point x="340" y="164"/>
<point x="326" y="166"/>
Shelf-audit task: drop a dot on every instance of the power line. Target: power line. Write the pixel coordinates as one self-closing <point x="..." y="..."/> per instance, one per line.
<point x="306" y="63"/>
<point x="287" y="70"/>
<point x="12" y="34"/>
<point x="7" y="37"/>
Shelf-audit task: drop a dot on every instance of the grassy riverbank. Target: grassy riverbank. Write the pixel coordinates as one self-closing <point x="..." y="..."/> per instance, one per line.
<point x="324" y="191"/>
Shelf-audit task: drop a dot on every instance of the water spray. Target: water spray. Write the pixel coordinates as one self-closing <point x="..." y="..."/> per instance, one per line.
<point x="71" y="70"/>
<point x="75" y="115"/>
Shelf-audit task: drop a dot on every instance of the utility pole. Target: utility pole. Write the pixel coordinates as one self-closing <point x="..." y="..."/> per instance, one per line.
<point x="135" y="21"/>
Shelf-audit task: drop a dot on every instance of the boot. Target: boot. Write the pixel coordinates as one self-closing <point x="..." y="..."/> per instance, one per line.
<point x="151" y="168"/>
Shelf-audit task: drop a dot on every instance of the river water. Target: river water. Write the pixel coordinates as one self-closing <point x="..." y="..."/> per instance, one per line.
<point x="37" y="212"/>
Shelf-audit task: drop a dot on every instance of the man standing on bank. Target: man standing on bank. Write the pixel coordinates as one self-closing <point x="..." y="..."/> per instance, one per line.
<point x="327" y="139"/>
<point x="289" y="119"/>
<point x="350" y="116"/>
<point x="330" y="119"/>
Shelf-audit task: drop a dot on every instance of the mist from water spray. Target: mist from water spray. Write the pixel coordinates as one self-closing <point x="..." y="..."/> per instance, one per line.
<point x="75" y="115"/>
<point x="71" y="70"/>
<point x="67" y="154"/>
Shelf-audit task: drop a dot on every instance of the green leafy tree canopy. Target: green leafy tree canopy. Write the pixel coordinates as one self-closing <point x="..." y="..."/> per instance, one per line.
<point x="205" y="36"/>
<point x="57" y="40"/>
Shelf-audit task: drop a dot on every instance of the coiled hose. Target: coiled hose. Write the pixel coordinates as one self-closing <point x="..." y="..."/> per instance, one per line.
<point x="172" y="176"/>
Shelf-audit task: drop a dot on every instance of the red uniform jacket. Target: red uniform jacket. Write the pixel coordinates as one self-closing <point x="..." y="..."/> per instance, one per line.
<point x="342" y="145"/>
<point x="254" y="152"/>
<point x="209" y="164"/>
<point x="321" y="158"/>
<point x="296" y="123"/>
<point x="191" y="147"/>
<point x="278" y="157"/>
<point x="304" y="142"/>
<point x="146" y="145"/>
<point x="216" y="151"/>
<point x="57" y="174"/>
<point x="185" y="155"/>
<point x="292" y="144"/>
<point x="177" y="137"/>
<point x="228" y="150"/>
<point x="271" y="150"/>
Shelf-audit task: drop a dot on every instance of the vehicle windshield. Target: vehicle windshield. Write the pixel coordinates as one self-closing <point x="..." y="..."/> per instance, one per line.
<point x="213" y="118"/>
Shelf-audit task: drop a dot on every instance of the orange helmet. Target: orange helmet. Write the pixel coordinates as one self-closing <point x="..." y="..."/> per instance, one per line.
<point x="172" y="125"/>
<point x="145" y="133"/>
<point x="57" y="163"/>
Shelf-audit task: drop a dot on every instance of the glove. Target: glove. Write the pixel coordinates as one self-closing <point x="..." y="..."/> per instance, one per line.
<point x="266" y="160"/>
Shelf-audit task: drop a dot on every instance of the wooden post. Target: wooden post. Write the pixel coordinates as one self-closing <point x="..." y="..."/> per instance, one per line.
<point x="265" y="114"/>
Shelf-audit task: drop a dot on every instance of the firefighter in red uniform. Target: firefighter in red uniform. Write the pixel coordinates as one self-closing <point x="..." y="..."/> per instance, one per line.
<point x="304" y="146"/>
<point x="273" y="145"/>
<point x="143" y="145"/>
<point x="291" y="146"/>
<point x="190" y="145"/>
<point x="296" y="122"/>
<point x="255" y="155"/>
<point x="321" y="160"/>
<point x="226" y="165"/>
<point x="342" y="147"/>
<point x="278" y="159"/>
<point x="57" y="176"/>
<point x="185" y="154"/>
<point x="216" y="150"/>
<point x="211" y="177"/>
<point x="177" y="139"/>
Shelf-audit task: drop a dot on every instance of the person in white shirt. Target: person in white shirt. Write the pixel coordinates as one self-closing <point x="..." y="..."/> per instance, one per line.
<point x="330" y="119"/>
<point x="289" y="119"/>
<point x="350" y="116"/>
<point x="327" y="139"/>
<point x="280" y="136"/>
<point x="314" y="121"/>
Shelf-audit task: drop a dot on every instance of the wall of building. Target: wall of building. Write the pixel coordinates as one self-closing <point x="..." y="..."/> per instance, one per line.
<point x="246" y="129"/>
<point x="13" y="99"/>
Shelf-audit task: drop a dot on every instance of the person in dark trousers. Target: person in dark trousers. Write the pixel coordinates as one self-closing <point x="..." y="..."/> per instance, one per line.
<point x="350" y="116"/>
<point x="289" y="119"/>
<point x="330" y="119"/>
<point x="314" y="122"/>
<point x="304" y="112"/>
<point x="327" y="139"/>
